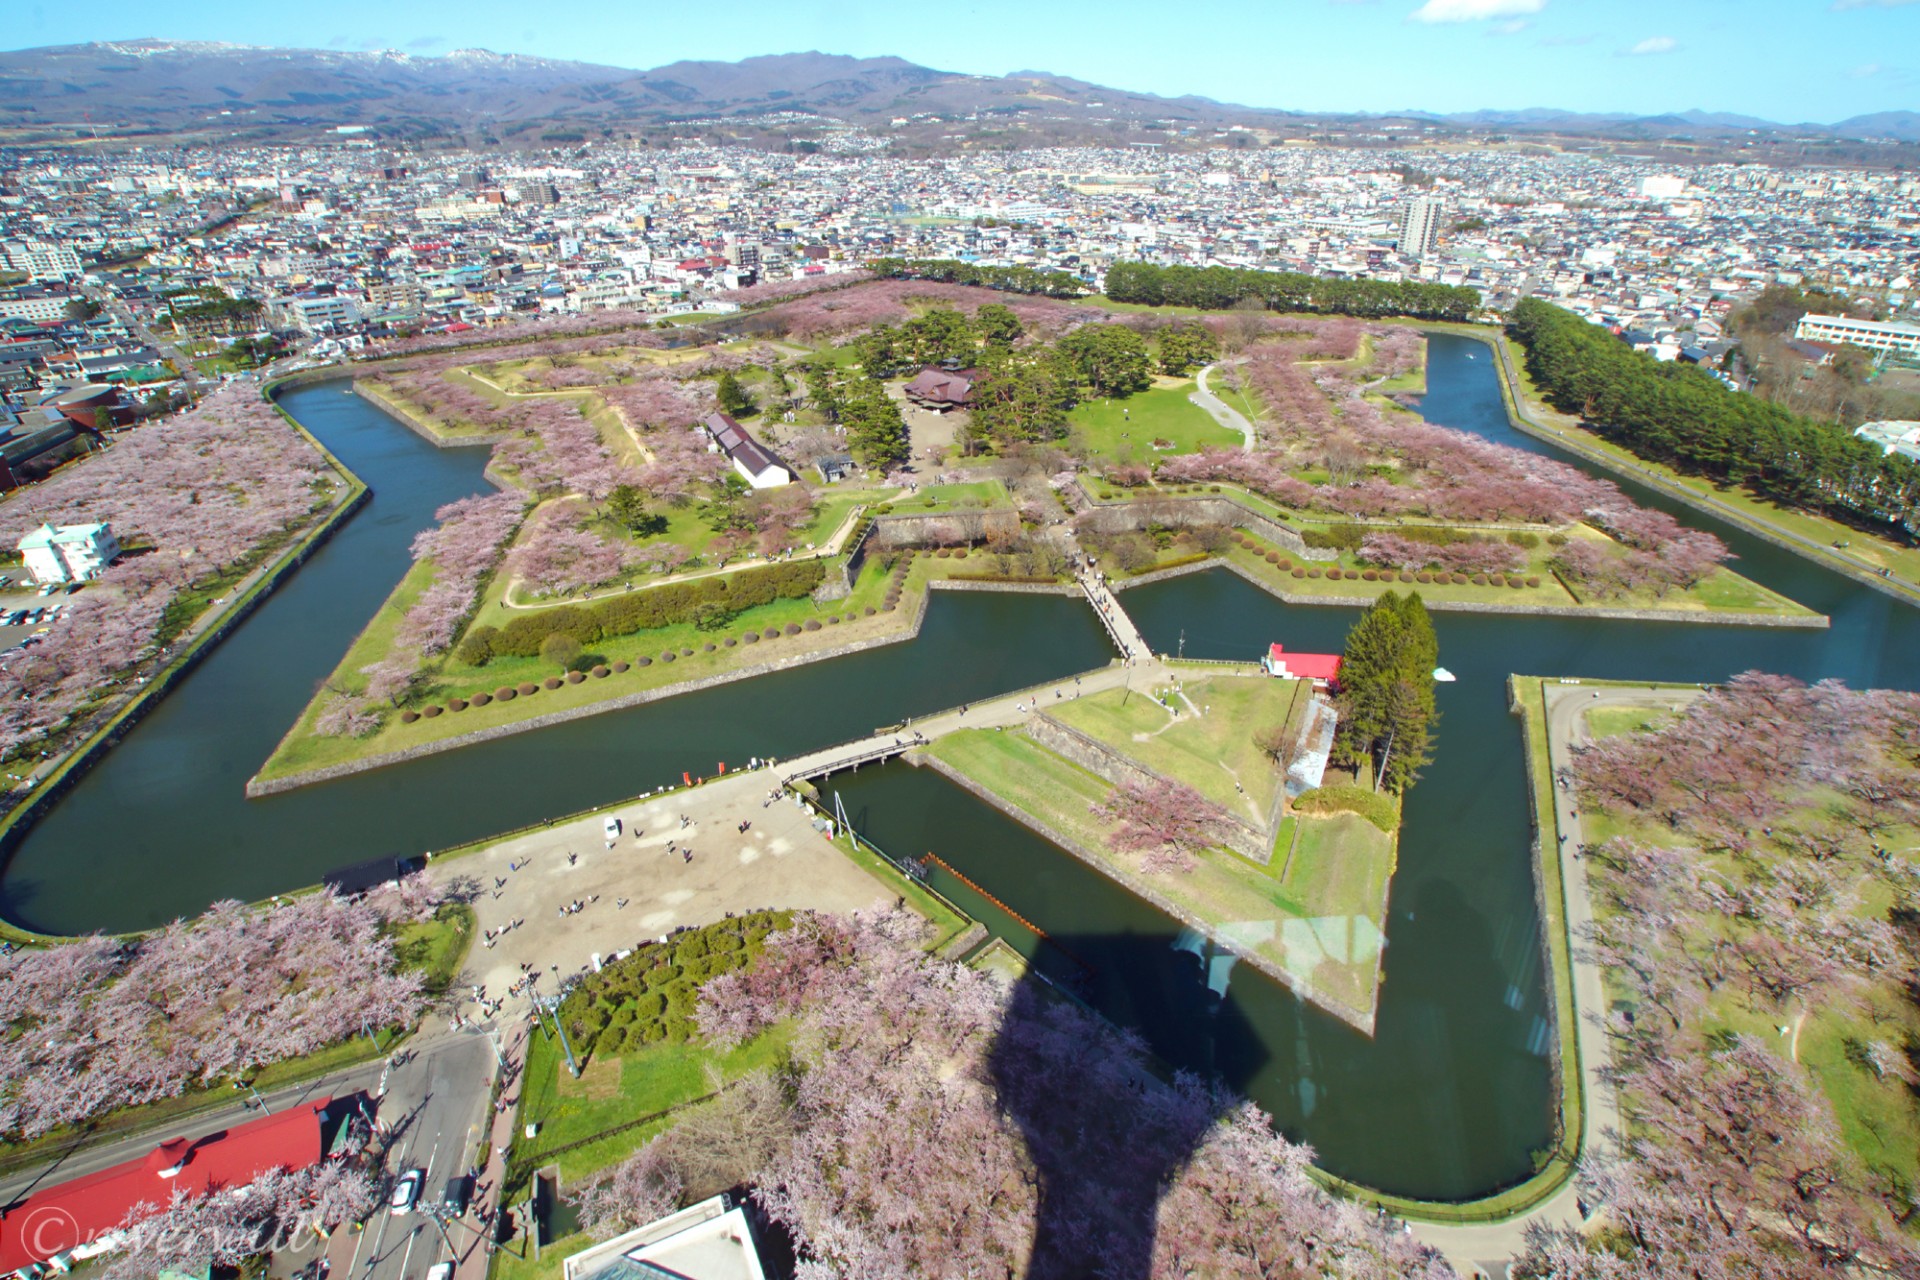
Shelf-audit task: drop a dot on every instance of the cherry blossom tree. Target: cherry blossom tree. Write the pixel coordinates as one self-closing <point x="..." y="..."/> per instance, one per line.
<point x="95" y="1025"/>
<point x="1162" y="819"/>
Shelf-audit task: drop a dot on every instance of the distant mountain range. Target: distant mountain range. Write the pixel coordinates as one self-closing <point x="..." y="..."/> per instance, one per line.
<point x="160" y="88"/>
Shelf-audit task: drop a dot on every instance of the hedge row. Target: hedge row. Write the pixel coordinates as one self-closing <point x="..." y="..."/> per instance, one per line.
<point x="649" y="997"/>
<point x="696" y="600"/>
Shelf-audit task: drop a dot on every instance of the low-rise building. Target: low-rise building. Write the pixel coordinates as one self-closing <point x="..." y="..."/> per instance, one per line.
<point x="753" y="460"/>
<point x="1873" y="335"/>
<point x="69" y="552"/>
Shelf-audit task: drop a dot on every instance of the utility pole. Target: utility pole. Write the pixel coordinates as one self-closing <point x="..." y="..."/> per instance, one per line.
<point x="248" y="1086"/>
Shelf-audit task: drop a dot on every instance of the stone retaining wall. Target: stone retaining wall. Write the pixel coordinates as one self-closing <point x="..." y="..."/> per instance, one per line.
<point x="1174" y="511"/>
<point x="1359" y="1019"/>
<point x="1028" y="588"/>
<point x="1816" y="622"/>
<point x="898" y="532"/>
<point x="419" y="426"/>
<point x="1098" y="758"/>
<point x="257" y="787"/>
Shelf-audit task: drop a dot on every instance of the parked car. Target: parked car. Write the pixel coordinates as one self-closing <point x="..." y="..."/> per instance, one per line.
<point x="406" y="1192"/>
<point x="612" y="828"/>
<point x="440" y="1271"/>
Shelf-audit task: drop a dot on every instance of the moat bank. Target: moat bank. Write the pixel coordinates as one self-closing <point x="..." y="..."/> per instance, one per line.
<point x="1447" y="1101"/>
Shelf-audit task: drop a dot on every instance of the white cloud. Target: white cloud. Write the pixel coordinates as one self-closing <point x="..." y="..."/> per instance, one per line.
<point x="1866" y="70"/>
<point x="1474" y="10"/>
<point x="1840" y="6"/>
<point x="1510" y="27"/>
<point x="1654" y="44"/>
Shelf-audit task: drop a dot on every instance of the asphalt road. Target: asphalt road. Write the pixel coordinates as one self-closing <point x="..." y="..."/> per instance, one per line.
<point x="435" y="1113"/>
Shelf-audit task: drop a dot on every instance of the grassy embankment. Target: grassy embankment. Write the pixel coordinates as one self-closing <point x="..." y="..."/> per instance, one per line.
<point x="1810" y="534"/>
<point x="1723" y="591"/>
<point x="1313" y="911"/>
<point x="714" y="653"/>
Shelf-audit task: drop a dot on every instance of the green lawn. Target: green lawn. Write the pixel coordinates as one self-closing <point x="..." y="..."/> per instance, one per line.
<point x="1326" y="952"/>
<point x="1123" y="431"/>
<point x="303" y="749"/>
<point x="615" y="1091"/>
<point x="1210" y="752"/>
<point x="1341" y="864"/>
<point x="975" y="495"/>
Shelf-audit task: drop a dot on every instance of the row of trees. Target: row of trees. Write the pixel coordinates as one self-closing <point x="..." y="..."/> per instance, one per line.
<point x="1221" y="288"/>
<point x="935" y="1124"/>
<point x="1047" y="284"/>
<point x="1756" y="891"/>
<point x="937" y="334"/>
<point x="98" y="1024"/>
<point x="1676" y="413"/>
<point x="1386" y="691"/>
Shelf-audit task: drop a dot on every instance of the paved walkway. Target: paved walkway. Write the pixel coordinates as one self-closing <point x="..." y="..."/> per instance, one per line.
<point x="1223" y="413"/>
<point x="778" y="861"/>
<point x="1487" y="1249"/>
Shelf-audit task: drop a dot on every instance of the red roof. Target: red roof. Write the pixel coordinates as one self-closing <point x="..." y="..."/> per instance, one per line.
<point x="1305" y="666"/>
<point x="54" y="1220"/>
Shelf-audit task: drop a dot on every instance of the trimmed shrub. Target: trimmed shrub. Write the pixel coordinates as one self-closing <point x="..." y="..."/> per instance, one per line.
<point x="943" y="553"/>
<point x="686" y="653"/>
<point x="552" y="682"/>
<point x="1515" y="582"/>
<point x="793" y="628"/>
<point x="1299" y="573"/>
<point x="752" y="637"/>
<point x="1479" y="579"/>
<point x="643" y="661"/>
<point x="1335" y="537"/>
<point x="708" y="647"/>
<point x="529" y="688"/>
<point x="622" y="667"/>
<point x="771" y="633"/>
<point x="1371" y="575"/>
<point x="1313" y="573"/>
<point x="812" y="624"/>
<point x="1273" y="557"/>
<point x="668" y="655"/>
<point x="456" y="704"/>
<point x="728" y="643"/>
<point x="576" y="677"/>
<point x="662" y="606"/>
<point x="1521" y="538"/>
<point x="1533" y="582"/>
<point x="870" y="611"/>
<point x="482" y="699"/>
<point x="505" y="693"/>
<point x="888" y="607"/>
<point x="431" y="711"/>
<point x="833" y="619"/>
<point x="1334" y="575"/>
<point x="1423" y="576"/>
<point x="599" y="671"/>
<point x="408" y="717"/>
<point x="1556" y="539"/>
<point x="477" y="649"/>
<point x="959" y="553"/>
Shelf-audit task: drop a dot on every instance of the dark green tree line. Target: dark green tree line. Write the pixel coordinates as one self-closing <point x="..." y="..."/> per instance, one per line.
<point x="1386" y="691"/>
<point x="1676" y="413"/>
<point x="1220" y="288"/>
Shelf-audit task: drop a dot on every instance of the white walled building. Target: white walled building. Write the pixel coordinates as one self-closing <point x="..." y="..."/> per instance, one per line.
<point x="1874" y="335"/>
<point x="68" y="553"/>
<point x="1419" y="227"/>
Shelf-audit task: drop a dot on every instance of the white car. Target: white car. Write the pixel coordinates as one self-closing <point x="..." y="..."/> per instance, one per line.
<point x="406" y="1192"/>
<point x="440" y="1271"/>
<point x="612" y="828"/>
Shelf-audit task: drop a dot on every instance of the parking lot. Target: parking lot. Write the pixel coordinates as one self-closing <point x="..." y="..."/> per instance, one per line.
<point x="24" y="610"/>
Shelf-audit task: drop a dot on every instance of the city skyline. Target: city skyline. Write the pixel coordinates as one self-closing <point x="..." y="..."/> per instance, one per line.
<point x="1629" y="56"/>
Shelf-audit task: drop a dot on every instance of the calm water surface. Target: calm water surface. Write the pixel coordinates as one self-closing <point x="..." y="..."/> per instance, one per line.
<point x="1447" y="1100"/>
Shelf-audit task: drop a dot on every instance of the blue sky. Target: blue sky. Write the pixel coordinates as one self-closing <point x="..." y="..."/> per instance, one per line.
<point x="1785" y="60"/>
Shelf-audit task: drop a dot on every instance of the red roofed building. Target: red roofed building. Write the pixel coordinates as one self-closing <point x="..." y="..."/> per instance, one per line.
<point x="1321" y="668"/>
<point x="52" y="1223"/>
<point x="941" y="389"/>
